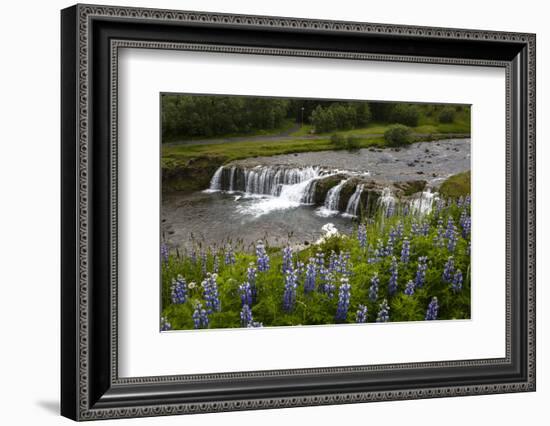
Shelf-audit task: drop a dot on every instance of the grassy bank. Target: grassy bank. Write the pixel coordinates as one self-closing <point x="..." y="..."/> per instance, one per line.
<point x="384" y="264"/>
<point x="456" y="186"/>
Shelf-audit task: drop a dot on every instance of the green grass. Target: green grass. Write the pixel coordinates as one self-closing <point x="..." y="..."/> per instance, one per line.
<point x="426" y="125"/>
<point x="174" y="155"/>
<point x="318" y="307"/>
<point x="456" y="186"/>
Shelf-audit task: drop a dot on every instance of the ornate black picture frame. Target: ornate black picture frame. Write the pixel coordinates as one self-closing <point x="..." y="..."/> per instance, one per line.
<point x="91" y="36"/>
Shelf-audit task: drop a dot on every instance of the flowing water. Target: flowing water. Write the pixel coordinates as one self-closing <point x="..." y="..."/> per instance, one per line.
<point x="270" y="197"/>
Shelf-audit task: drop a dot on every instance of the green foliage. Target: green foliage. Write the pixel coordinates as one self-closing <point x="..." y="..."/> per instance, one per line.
<point x="340" y="116"/>
<point x="349" y="142"/>
<point x="398" y="135"/>
<point x="405" y="114"/>
<point x="352" y="142"/>
<point x="187" y="116"/>
<point x="456" y="186"/>
<point x="318" y="307"/>
<point x="447" y="115"/>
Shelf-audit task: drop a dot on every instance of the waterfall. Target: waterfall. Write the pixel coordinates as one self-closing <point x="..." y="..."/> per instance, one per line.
<point x="354" y="200"/>
<point x="216" y="181"/>
<point x="333" y="196"/>
<point x="423" y="204"/>
<point x="288" y="187"/>
<point x="387" y="201"/>
<point x="231" y="178"/>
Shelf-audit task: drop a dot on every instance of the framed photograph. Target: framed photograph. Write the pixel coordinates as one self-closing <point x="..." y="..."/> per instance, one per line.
<point x="263" y="212"/>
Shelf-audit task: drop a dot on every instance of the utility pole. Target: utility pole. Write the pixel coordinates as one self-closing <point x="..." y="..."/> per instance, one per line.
<point x="302" y="117"/>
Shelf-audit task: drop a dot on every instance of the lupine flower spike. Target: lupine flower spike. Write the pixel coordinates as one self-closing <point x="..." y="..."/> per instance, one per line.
<point x="433" y="308"/>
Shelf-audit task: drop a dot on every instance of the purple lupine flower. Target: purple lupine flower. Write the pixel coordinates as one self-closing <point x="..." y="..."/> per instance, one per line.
<point x="245" y="292"/>
<point x="405" y="250"/>
<point x="450" y="227"/>
<point x="164" y="324"/>
<point x="390" y="210"/>
<point x="287" y="259"/>
<point x="251" y="274"/>
<point x="383" y="312"/>
<point x="467" y="201"/>
<point x="373" y="289"/>
<point x="466" y="227"/>
<point x="425" y="228"/>
<point x="229" y="255"/>
<point x="451" y="242"/>
<point x="211" y="296"/>
<point x="262" y="257"/>
<point x="438" y="239"/>
<point x="200" y="317"/>
<point x="254" y="324"/>
<point x="392" y="285"/>
<point x="421" y="271"/>
<point x="361" y="316"/>
<point x="456" y="285"/>
<point x="362" y="235"/>
<point x="409" y="288"/>
<point x="194" y="257"/>
<point x="179" y="290"/>
<point x="460" y="201"/>
<point x="415" y="228"/>
<point x="406" y="210"/>
<point x="344" y="294"/>
<point x="164" y="253"/>
<point x="448" y="270"/>
<point x="433" y="308"/>
<point x="388" y="251"/>
<point x="332" y="262"/>
<point x="216" y="267"/>
<point x="246" y="316"/>
<point x="329" y="287"/>
<point x="311" y="274"/>
<point x="320" y="260"/>
<point x="289" y="296"/>
<point x="400" y="229"/>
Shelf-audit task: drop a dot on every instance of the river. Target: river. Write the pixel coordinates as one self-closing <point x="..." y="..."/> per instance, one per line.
<point x="271" y="198"/>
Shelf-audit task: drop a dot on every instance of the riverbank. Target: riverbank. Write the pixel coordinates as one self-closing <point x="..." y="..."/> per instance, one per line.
<point x="190" y="168"/>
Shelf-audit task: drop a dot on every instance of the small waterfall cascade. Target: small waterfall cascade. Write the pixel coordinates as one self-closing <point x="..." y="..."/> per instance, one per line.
<point x="332" y="199"/>
<point x="386" y="200"/>
<point x="422" y="204"/>
<point x="354" y="200"/>
<point x="232" y="178"/>
<point x="294" y="184"/>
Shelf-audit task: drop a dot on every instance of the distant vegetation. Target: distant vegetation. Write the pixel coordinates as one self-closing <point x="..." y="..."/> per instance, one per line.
<point x="186" y="117"/>
<point x="397" y="135"/>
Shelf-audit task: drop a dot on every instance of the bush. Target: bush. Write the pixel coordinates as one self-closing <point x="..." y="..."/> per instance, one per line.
<point x="405" y="114"/>
<point x="353" y="143"/>
<point x="397" y="135"/>
<point x="338" y="140"/>
<point x="447" y="115"/>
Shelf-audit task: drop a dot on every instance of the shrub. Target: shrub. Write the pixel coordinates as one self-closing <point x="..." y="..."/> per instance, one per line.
<point x="405" y="114"/>
<point x="353" y="143"/>
<point x="397" y="135"/>
<point x="447" y="115"/>
<point x="338" y="140"/>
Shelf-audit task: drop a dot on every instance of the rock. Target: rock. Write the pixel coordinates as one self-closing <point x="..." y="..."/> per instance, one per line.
<point x="323" y="186"/>
<point x="411" y="187"/>
<point x="420" y="172"/>
<point x="410" y="164"/>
